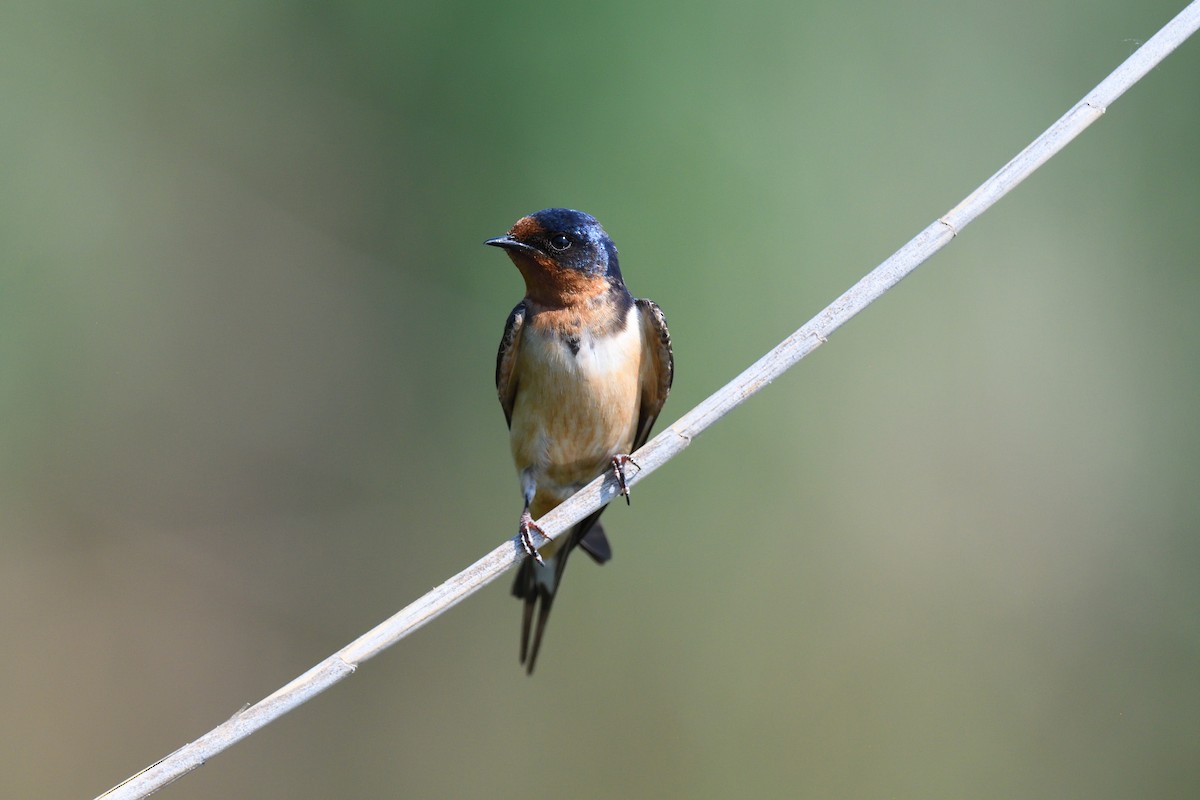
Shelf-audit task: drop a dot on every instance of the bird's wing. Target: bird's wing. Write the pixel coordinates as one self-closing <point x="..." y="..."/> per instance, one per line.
<point x="506" y="360"/>
<point x="658" y="368"/>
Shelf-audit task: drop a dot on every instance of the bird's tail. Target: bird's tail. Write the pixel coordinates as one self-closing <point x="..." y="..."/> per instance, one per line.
<point x="536" y="584"/>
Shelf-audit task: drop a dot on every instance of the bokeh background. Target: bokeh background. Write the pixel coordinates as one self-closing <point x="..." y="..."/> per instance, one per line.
<point x="247" y="332"/>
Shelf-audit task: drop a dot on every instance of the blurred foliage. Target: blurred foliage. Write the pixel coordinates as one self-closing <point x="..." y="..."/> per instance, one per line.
<point x="247" y="333"/>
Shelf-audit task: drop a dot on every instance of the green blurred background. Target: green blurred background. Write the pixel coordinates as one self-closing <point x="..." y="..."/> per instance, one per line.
<point x="247" y="332"/>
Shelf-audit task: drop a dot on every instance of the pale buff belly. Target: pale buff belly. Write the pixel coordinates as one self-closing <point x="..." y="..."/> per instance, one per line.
<point x="573" y="413"/>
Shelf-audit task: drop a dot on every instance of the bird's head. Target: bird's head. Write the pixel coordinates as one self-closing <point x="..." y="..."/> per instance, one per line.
<point x="564" y="255"/>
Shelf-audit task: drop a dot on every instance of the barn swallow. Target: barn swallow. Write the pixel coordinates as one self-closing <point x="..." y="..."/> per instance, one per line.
<point x="582" y="372"/>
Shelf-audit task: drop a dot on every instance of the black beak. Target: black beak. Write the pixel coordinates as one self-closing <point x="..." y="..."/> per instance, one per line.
<point x="508" y="243"/>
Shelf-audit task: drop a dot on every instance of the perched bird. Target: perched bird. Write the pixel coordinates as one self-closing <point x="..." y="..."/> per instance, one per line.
<point x="582" y="372"/>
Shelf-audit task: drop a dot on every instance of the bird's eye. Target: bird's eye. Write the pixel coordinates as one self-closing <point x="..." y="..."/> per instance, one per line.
<point x="560" y="241"/>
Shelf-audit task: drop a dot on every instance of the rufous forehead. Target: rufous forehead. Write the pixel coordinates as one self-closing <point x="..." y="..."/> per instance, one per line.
<point x="526" y="228"/>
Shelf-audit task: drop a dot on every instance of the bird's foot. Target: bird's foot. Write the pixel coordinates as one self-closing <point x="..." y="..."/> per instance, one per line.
<point x="525" y="526"/>
<point x="618" y="467"/>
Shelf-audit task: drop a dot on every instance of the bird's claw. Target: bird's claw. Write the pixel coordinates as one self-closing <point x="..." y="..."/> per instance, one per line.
<point x="618" y="467"/>
<point x="524" y="527"/>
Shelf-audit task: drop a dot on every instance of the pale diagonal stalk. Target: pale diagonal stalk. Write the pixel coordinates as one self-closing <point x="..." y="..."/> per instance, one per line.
<point x="667" y="444"/>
